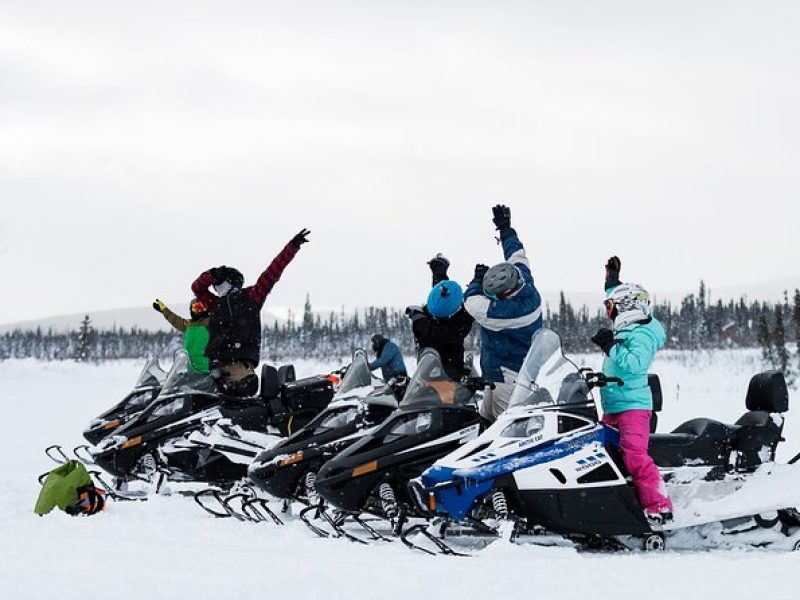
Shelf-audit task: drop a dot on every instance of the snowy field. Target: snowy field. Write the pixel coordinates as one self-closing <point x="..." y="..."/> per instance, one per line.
<point x="168" y="548"/>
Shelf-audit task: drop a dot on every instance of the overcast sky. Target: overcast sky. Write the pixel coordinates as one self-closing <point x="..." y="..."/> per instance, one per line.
<point x="143" y="142"/>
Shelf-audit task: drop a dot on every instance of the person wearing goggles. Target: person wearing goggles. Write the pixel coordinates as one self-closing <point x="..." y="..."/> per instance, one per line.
<point x="194" y="330"/>
<point x="629" y="349"/>
<point x="507" y="306"/>
<point x="234" y="310"/>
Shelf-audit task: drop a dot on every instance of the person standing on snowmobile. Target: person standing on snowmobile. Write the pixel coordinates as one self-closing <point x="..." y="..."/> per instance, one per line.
<point x="388" y="359"/>
<point x="442" y="323"/>
<point x="629" y="348"/>
<point x="194" y="329"/>
<point x="506" y="304"/>
<point x="234" y="345"/>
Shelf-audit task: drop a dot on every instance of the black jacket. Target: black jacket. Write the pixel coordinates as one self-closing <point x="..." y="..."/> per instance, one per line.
<point x="235" y="329"/>
<point x="446" y="336"/>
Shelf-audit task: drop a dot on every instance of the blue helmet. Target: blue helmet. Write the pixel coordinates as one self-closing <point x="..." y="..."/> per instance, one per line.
<point x="445" y="299"/>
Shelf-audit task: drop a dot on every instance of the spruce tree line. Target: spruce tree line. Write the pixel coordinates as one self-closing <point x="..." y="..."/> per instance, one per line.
<point x="694" y="323"/>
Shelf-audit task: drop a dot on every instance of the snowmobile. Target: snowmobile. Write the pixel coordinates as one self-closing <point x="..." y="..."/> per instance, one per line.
<point x="436" y="416"/>
<point x="549" y="468"/>
<point x="288" y="469"/>
<point x="147" y="388"/>
<point x="192" y="432"/>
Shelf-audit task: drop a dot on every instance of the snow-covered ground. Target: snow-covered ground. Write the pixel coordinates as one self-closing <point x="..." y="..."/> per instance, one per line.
<point x="167" y="548"/>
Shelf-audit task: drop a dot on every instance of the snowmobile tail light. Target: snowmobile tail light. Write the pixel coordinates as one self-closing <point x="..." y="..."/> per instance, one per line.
<point x="291" y="459"/>
<point x="365" y="468"/>
<point x="111" y="424"/>
<point x="135" y="441"/>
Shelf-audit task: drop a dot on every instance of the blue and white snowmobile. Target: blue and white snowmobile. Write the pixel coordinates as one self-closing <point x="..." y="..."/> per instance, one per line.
<point x="548" y="467"/>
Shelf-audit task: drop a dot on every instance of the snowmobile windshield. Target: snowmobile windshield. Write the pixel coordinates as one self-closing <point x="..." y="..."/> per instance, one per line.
<point x="181" y="379"/>
<point x="547" y="376"/>
<point x="431" y="385"/>
<point x="357" y="378"/>
<point x="152" y="374"/>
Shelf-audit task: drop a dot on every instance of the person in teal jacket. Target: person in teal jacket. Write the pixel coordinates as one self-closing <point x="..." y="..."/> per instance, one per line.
<point x="630" y="347"/>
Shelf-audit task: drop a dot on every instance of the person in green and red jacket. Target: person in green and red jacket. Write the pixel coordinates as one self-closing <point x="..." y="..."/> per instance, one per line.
<point x="234" y="345"/>
<point x="194" y="329"/>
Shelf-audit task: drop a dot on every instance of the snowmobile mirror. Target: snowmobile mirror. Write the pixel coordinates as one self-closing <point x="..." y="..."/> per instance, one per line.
<point x="270" y="384"/>
<point x="286" y="375"/>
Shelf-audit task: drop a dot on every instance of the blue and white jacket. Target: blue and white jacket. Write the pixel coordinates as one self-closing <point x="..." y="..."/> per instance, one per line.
<point x="508" y="325"/>
<point x="389" y="361"/>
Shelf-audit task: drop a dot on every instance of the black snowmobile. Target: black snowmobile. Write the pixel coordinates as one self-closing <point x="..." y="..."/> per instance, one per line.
<point x="192" y="432"/>
<point x="288" y="469"/>
<point x="147" y="388"/>
<point x="436" y="416"/>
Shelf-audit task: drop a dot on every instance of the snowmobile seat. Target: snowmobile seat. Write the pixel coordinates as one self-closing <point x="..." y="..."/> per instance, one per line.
<point x="696" y="442"/>
<point x="759" y="430"/>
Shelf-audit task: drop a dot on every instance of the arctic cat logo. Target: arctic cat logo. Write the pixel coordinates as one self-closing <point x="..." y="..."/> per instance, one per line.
<point x="590" y="462"/>
<point x="532" y="442"/>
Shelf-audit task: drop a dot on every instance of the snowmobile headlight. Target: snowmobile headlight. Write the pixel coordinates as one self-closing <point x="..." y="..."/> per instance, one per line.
<point x="134" y="441"/>
<point x="524" y="428"/>
<point x="291" y="459"/>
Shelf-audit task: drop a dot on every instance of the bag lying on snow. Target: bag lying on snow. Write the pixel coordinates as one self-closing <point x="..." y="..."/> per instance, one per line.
<point x="70" y="488"/>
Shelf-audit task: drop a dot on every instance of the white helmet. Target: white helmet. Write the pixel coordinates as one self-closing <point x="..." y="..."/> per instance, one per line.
<point x="628" y="303"/>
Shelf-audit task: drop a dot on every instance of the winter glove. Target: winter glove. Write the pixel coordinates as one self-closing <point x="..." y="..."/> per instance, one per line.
<point x="613" y="267"/>
<point x="439" y="265"/>
<point x="414" y="311"/>
<point x="502" y="217"/>
<point x="604" y="338"/>
<point x="301" y="238"/>
<point x="480" y="271"/>
<point x="159" y="305"/>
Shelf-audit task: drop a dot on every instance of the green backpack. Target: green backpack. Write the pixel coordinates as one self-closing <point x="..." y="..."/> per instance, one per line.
<point x="70" y="488"/>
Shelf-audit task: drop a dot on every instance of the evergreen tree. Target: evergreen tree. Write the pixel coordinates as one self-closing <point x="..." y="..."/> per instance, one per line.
<point x="85" y="341"/>
<point x="779" y="338"/>
<point x="765" y="339"/>
<point x="797" y="326"/>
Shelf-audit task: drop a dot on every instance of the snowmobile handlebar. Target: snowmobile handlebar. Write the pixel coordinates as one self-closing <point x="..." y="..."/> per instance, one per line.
<point x="595" y="379"/>
<point x="475" y="384"/>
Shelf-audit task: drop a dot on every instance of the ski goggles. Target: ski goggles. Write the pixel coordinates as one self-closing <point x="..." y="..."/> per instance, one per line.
<point x="505" y="295"/>
<point x="197" y="307"/>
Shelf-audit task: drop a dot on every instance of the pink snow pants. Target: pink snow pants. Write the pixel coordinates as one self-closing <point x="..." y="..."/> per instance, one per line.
<point x="634" y="436"/>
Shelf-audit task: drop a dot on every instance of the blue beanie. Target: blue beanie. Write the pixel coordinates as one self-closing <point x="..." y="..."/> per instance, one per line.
<point x="445" y="299"/>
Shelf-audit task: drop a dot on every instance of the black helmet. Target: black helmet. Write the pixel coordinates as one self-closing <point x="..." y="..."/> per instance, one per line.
<point x="502" y="281"/>
<point x="234" y="277"/>
<point x="378" y="341"/>
<point x="197" y="310"/>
